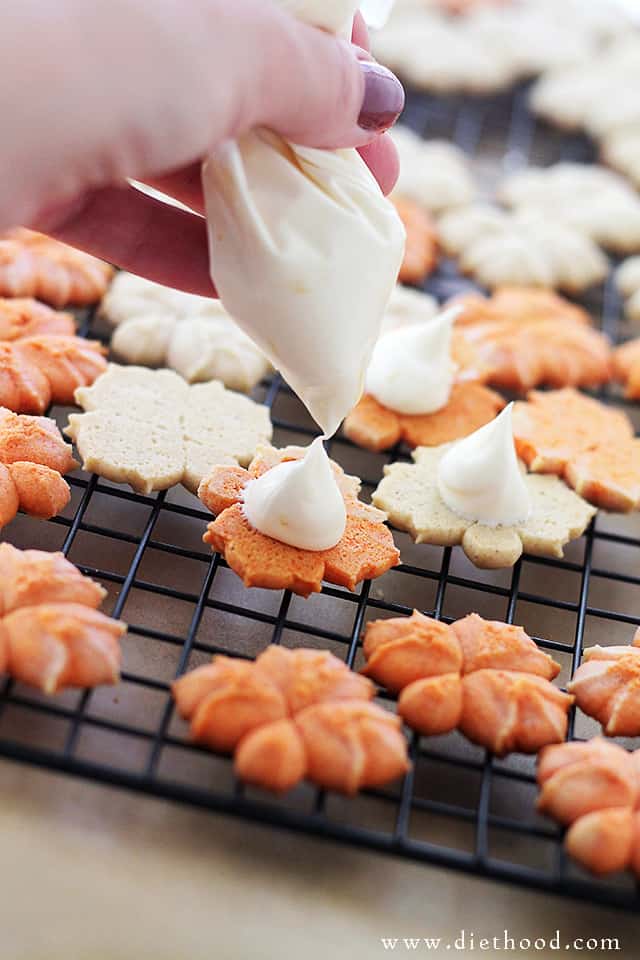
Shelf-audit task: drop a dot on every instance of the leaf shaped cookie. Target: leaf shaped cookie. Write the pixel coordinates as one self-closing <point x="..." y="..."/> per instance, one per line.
<point x="366" y="549"/>
<point x="150" y="429"/>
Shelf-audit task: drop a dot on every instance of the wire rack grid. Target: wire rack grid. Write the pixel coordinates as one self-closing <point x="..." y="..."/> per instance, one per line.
<point x="459" y="806"/>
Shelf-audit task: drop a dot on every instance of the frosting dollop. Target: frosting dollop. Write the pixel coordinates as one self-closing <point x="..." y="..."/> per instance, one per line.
<point x="411" y="370"/>
<point x="298" y="502"/>
<point x="479" y="477"/>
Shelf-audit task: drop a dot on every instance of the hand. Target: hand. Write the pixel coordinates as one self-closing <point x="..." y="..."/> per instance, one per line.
<point x="144" y="89"/>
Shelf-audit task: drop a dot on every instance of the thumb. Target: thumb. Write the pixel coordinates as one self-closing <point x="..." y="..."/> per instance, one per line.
<point x="313" y="88"/>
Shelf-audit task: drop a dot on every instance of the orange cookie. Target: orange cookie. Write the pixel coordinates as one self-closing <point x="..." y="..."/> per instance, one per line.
<point x="591" y="446"/>
<point x="626" y="367"/>
<point x="33" y="456"/>
<point x="607" y="687"/>
<point x="486" y="678"/>
<point x="593" y="788"/>
<point x="22" y="318"/>
<point x="375" y="427"/>
<point x="528" y="338"/>
<point x="421" y="247"/>
<point x="51" y="635"/>
<point x="365" y="551"/>
<point x="38" y="371"/>
<point x="33" y="265"/>
<point x="293" y="714"/>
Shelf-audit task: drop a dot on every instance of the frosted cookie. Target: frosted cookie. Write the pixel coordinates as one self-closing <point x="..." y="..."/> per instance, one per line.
<point x="421" y="247"/>
<point x="433" y="173"/>
<point x="195" y="336"/>
<point x="407" y="306"/>
<point x="626" y="367"/>
<point x="150" y="429"/>
<point x="592" y="788"/>
<point x="485" y="678"/>
<point x="33" y="265"/>
<point x="38" y="371"/>
<point x="591" y="199"/>
<point x="291" y="715"/>
<point x="365" y="549"/>
<point x="591" y="446"/>
<point x="627" y="278"/>
<point x="606" y="686"/>
<point x="33" y="457"/>
<point x="528" y="337"/>
<point x="476" y="494"/>
<point x="51" y="634"/>
<point x="498" y="248"/>
<point x="24" y="317"/>
<point x="420" y="387"/>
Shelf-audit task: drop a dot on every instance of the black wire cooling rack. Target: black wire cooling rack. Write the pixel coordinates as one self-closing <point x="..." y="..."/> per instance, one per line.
<point x="459" y="807"/>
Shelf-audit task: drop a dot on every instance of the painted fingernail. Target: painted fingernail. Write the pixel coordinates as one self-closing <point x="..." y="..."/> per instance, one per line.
<point x="383" y="98"/>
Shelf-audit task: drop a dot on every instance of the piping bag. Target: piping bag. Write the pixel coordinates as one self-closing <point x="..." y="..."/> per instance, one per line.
<point x="305" y="250"/>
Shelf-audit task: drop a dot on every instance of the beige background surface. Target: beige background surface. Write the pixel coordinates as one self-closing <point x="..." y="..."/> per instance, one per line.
<point x="98" y="874"/>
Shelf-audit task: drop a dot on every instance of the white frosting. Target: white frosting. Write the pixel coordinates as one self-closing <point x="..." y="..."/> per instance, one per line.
<point x="411" y="370"/>
<point x="479" y="477"/>
<point x="298" y="502"/>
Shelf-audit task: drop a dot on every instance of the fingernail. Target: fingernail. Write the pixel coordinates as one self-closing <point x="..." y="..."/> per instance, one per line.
<point x="383" y="98"/>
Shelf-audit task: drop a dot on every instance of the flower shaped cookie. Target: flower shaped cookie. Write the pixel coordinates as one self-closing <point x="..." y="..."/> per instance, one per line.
<point x="150" y="429"/>
<point x="51" y="634"/>
<point x="293" y="714"/>
<point x="375" y="427"/>
<point x="592" y="199"/>
<point x="365" y="551"/>
<point x="593" y="789"/>
<point x="195" y="336"/>
<point x="20" y="318"/>
<point x="500" y="248"/>
<point x="528" y="337"/>
<point x="40" y="370"/>
<point x="606" y="686"/>
<point x="485" y="678"/>
<point x="33" y="265"/>
<point x="421" y="247"/>
<point x="33" y="456"/>
<point x="434" y="174"/>
<point x="589" y="445"/>
<point x="600" y="100"/>
<point x="627" y="279"/>
<point x="626" y="367"/>
<point x="409" y="495"/>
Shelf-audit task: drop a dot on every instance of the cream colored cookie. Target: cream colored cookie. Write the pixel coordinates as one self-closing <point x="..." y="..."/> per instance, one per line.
<point x="588" y="198"/>
<point x="627" y="279"/>
<point x="408" y="493"/>
<point x="150" y="429"/>
<point x="455" y="61"/>
<point x="491" y="46"/>
<point x="621" y="150"/>
<point x="599" y="97"/>
<point x="434" y="173"/>
<point x="500" y="248"/>
<point x="157" y="326"/>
